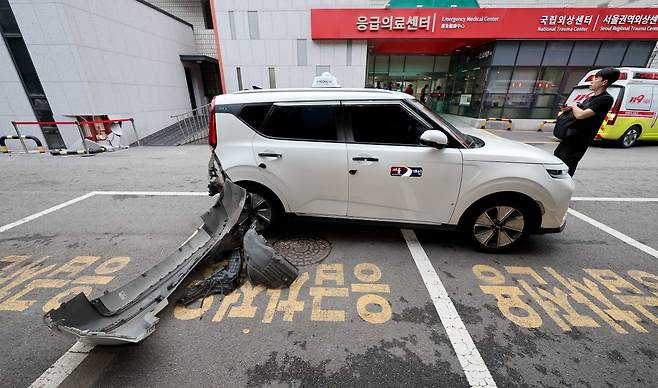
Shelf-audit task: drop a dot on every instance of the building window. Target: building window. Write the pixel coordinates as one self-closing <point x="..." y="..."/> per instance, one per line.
<point x="253" y="25"/>
<point x="207" y="14"/>
<point x="572" y="76"/>
<point x="25" y="65"/>
<point x="11" y="34"/>
<point x="319" y="69"/>
<point x="272" y="78"/>
<point x="557" y="53"/>
<point x="348" y="60"/>
<point x="584" y="53"/>
<point x="523" y="80"/>
<point x="499" y="79"/>
<point x="638" y="53"/>
<point x="231" y="23"/>
<point x="8" y="23"/>
<point x="239" y="74"/>
<point x="530" y="53"/>
<point x="505" y="53"/>
<point x="301" y="52"/>
<point x="550" y="80"/>
<point x="611" y="53"/>
<point x="381" y="64"/>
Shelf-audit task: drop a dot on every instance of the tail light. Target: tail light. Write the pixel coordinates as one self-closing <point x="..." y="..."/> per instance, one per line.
<point x="612" y="115"/>
<point x="212" y="129"/>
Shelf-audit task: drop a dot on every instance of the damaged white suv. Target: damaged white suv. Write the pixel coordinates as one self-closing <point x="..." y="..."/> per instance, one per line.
<point x="377" y="155"/>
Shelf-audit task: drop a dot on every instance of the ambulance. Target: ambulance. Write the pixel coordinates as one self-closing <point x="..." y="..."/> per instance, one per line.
<point x="633" y="115"/>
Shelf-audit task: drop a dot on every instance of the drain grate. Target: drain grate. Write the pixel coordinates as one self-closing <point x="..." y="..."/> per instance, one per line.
<point x="303" y="250"/>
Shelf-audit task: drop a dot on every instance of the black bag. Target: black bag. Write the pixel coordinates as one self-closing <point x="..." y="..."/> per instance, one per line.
<point x="563" y="125"/>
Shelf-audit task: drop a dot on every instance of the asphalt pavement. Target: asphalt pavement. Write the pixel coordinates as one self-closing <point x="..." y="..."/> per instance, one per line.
<point x="577" y="308"/>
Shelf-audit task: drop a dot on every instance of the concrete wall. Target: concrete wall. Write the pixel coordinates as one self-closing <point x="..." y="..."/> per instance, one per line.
<point x="280" y="24"/>
<point x="14" y="105"/>
<point x="119" y="58"/>
<point x="191" y="11"/>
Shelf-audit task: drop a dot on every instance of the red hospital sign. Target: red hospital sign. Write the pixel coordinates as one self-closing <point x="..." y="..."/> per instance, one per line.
<point x="485" y="23"/>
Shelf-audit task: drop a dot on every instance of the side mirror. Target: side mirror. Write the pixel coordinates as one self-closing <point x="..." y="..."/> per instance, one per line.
<point x="434" y="138"/>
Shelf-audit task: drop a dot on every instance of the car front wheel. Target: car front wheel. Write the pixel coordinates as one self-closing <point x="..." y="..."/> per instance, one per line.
<point x="498" y="227"/>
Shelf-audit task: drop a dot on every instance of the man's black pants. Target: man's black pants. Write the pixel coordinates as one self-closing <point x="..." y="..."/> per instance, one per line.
<point x="570" y="151"/>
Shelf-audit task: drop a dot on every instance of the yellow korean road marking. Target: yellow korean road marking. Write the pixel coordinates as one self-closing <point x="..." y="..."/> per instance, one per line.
<point x="569" y="302"/>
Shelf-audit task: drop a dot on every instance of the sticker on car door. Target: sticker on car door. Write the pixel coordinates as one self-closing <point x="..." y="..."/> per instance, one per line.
<point x="406" y="171"/>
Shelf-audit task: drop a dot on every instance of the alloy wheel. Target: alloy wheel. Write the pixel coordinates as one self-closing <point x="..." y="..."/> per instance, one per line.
<point x="499" y="226"/>
<point x="258" y="211"/>
<point x="630" y="137"/>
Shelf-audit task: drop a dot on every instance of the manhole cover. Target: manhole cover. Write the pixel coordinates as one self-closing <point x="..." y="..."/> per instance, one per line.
<point x="303" y="250"/>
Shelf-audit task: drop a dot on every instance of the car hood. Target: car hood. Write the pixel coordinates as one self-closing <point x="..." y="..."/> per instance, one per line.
<point x="498" y="149"/>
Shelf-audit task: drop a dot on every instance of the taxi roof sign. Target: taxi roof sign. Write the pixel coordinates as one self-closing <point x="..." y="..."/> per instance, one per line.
<point x="326" y="80"/>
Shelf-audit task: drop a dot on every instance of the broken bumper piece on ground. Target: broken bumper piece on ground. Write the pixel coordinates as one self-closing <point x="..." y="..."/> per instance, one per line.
<point x="128" y="314"/>
<point x="264" y="266"/>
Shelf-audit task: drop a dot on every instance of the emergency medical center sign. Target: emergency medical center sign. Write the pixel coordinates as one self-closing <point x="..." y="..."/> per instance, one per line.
<point x="485" y="23"/>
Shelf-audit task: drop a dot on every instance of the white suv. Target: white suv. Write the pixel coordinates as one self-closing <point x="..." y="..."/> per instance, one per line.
<point x="377" y="155"/>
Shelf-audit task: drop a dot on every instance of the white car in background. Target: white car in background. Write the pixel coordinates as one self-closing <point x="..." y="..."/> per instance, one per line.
<point x="377" y="155"/>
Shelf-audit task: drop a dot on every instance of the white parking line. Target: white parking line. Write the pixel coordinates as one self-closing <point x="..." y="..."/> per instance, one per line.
<point x="63" y="367"/>
<point x="43" y="213"/>
<point x="154" y="193"/>
<point x="91" y="194"/>
<point x="67" y="363"/>
<point x="630" y="241"/>
<point x="475" y="369"/>
<point x="612" y="199"/>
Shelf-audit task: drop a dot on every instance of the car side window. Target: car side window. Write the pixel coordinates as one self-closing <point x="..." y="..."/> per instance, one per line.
<point x="301" y="122"/>
<point x="384" y="124"/>
<point x="254" y="115"/>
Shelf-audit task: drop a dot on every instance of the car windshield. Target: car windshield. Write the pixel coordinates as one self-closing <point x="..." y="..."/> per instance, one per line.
<point x="443" y="123"/>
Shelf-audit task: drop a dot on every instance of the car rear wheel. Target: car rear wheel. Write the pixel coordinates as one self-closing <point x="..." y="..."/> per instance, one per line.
<point x="260" y="208"/>
<point x="498" y="226"/>
<point x="630" y="137"/>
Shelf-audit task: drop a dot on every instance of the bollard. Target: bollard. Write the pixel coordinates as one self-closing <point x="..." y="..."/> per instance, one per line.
<point x="487" y="120"/>
<point x="5" y="150"/>
<point x="18" y="133"/>
<point x="543" y="123"/>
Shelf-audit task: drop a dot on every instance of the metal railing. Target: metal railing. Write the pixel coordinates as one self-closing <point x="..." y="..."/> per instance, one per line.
<point x="193" y="125"/>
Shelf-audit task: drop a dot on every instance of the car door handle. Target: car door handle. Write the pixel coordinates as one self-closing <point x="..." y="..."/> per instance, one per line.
<point x="365" y="159"/>
<point x="269" y="155"/>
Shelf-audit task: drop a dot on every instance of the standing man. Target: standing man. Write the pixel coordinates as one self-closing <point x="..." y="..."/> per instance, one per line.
<point x="423" y="94"/>
<point x="409" y="89"/>
<point x="589" y="117"/>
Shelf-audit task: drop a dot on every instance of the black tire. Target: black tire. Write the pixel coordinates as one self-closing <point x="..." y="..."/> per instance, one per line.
<point x="629" y="138"/>
<point x="498" y="225"/>
<point x="261" y="207"/>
